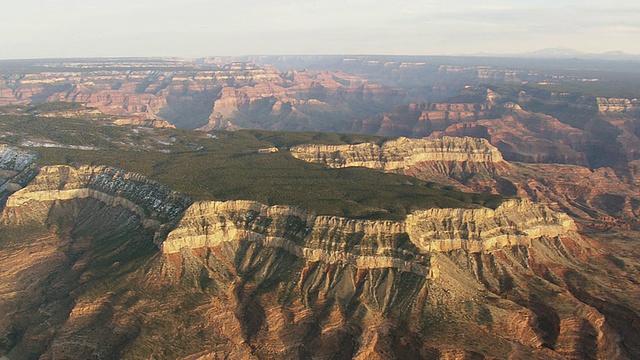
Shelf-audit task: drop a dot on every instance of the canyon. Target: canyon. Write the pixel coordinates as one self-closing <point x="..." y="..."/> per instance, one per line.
<point x="216" y="96"/>
<point x="520" y="112"/>
<point x="457" y="208"/>
<point x="259" y="281"/>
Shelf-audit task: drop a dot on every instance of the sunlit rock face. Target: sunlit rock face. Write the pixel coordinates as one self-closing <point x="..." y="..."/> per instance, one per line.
<point x="153" y="203"/>
<point x="16" y="169"/>
<point x="449" y="156"/>
<point x="617" y="105"/>
<point x="323" y="238"/>
<point x="239" y="278"/>
<point x="384" y="271"/>
<point x="471" y="164"/>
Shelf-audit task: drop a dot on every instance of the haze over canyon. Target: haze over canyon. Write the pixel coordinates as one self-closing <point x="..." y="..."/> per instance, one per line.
<point x="303" y="207"/>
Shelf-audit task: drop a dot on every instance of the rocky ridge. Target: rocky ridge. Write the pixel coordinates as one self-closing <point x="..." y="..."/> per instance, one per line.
<point x="276" y="281"/>
<point x="437" y="159"/>
<point x="331" y="239"/>
<point x="155" y="204"/>
<point x="474" y="164"/>
<point x="15" y="169"/>
<point x="617" y="105"/>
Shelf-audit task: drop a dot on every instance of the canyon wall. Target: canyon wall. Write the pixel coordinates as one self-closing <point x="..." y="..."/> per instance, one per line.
<point x="189" y="95"/>
<point x="617" y="105"/>
<point x="277" y="281"/>
<point x="449" y="160"/>
<point x="366" y="243"/>
<point x="16" y="170"/>
<point x="155" y="204"/>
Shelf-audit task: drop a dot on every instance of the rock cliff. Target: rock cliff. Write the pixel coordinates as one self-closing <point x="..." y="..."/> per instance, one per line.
<point x="514" y="223"/>
<point x="358" y="279"/>
<point x="617" y="105"/>
<point x="306" y="100"/>
<point x="188" y="95"/>
<point x="245" y="279"/>
<point x="421" y="119"/>
<point x="365" y="243"/>
<point x="473" y="164"/>
<point x="154" y="203"/>
<point x="439" y="159"/>
<point x="16" y="170"/>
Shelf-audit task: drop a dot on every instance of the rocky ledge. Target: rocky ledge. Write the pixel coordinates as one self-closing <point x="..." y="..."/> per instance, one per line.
<point x="365" y="243"/>
<point x="152" y="201"/>
<point x="330" y="239"/>
<point x="452" y="156"/>
<point x="616" y="105"/>
<point x="16" y="169"/>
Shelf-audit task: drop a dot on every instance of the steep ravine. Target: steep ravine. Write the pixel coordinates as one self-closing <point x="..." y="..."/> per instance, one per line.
<point x="82" y="278"/>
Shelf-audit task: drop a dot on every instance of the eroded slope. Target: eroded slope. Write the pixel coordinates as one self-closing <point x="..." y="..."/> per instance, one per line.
<point x="247" y="280"/>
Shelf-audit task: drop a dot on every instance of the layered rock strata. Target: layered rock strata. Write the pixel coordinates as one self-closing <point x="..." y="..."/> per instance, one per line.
<point x="332" y="239"/>
<point x="153" y="202"/>
<point x="437" y="160"/>
<point x="617" y="105"/>
<point x="476" y="165"/>
<point x="277" y="281"/>
<point x="16" y="169"/>
<point x="228" y="97"/>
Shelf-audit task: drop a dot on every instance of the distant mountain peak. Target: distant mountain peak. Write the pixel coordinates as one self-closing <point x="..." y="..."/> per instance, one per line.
<point x="566" y="53"/>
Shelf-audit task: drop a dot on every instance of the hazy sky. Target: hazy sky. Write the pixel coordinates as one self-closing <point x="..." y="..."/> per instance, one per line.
<point x="194" y="28"/>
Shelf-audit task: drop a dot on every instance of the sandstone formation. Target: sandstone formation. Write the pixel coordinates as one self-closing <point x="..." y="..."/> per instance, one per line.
<point x="189" y="95"/>
<point x="534" y="126"/>
<point x="617" y="105"/>
<point x="474" y="164"/>
<point x="15" y="169"/>
<point x="514" y="223"/>
<point x="421" y="119"/>
<point x="263" y="244"/>
<point x="520" y="135"/>
<point x="437" y="160"/>
<point x="153" y="203"/>
<point x="566" y="127"/>
<point x="256" y="281"/>
<point x="299" y="101"/>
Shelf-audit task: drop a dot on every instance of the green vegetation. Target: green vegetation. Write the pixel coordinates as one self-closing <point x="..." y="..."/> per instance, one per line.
<point x="56" y="106"/>
<point x="226" y="166"/>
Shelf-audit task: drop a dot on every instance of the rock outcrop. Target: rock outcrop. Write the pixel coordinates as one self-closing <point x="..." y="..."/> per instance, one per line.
<point x="514" y="223"/>
<point x="421" y="119"/>
<point x="185" y="94"/>
<point x="258" y="281"/>
<point x="299" y="101"/>
<point x="363" y="243"/>
<point x="617" y="105"/>
<point x="16" y="170"/>
<point x="476" y="165"/>
<point x="437" y="160"/>
<point x="155" y="204"/>
<point x="434" y="258"/>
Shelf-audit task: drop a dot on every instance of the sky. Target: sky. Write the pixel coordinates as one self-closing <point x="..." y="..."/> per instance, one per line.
<point x="197" y="28"/>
